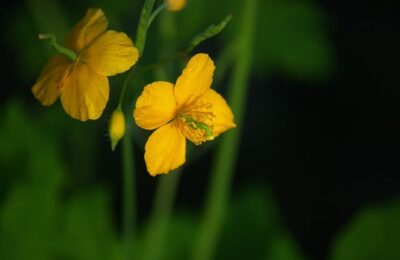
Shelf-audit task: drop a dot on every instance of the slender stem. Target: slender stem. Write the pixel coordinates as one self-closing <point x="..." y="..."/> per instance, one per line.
<point x="70" y="54"/>
<point x="155" y="13"/>
<point x="124" y="87"/>
<point x="129" y="214"/>
<point x="160" y="216"/>
<point x="143" y="25"/>
<point x="223" y="169"/>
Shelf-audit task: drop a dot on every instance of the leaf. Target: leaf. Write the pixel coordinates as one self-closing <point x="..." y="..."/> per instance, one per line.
<point x="86" y="229"/>
<point x="250" y="223"/>
<point x="37" y="220"/>
<point x="292" y="38"/>
<point x="211" y="31"/>
<point x="33" y="171"/>
<point x="374" y="233"/>
<point x="283" y="247"/>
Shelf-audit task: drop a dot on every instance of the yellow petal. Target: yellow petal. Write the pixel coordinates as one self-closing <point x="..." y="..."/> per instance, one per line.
<point x="47" y="87"/>
<point x="196" y="78"/>
<point x="165" y="150"/>
<point x="92" y="25"/>
<point x="156" y="105"/>
<point x="85" y="93"/>
<point x="111" y="53"/>
<point x="223" y="116"/>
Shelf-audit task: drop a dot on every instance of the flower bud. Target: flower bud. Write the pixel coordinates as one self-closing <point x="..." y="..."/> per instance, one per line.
<point x="175" y="5"/>
<point x="116" y="127"/>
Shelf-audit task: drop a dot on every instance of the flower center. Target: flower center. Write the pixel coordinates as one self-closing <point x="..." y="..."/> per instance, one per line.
<point x="196" y="124"/>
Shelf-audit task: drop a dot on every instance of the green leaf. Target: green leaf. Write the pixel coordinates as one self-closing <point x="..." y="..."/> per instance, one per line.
<point x="250" y="223"/>
<point x="211" y="31"/>
<point x="142" y="29"/>
<point x="37" y="219"/>
<point x="86" y="229"/>
<point x="293" y="38"/>
<point x="283" y="247"/>
<point x="374" y="233"/>
<point x="32" y="169"/>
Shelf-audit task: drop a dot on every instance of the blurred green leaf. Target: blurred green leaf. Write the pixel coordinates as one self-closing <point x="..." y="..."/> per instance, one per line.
<point x="283" y="247"/>
<point x="37" y="220"/>
<point x="374" y="233"/>
<point x="252" y="230"/>
<point x="180" y="236"/>
<point x="251" y="222"/>
<point x="293" y="38"/>
<point x="86" y="229"/>
<point x="28" y="213"/>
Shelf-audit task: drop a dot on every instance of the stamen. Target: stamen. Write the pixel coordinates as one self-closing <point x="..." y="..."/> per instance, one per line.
<point x="197" y="131"/>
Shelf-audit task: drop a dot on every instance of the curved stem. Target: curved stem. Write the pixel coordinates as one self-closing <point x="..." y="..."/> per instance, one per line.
<point x="59" y="48"/>
<point x="124" y="87"/>
<point x="155" y="13"/>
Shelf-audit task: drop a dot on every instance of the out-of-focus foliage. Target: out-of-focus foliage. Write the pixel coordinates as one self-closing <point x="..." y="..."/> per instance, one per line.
<point x="252" y="230"/>
<point x="291" y="35"/>
<point x="36" y="220"/>
<point x="374" y="233"/>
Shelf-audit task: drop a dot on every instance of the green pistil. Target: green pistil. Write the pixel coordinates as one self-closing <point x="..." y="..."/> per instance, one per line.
<point x="60" y="49"/>
<point x="198" y="125"/>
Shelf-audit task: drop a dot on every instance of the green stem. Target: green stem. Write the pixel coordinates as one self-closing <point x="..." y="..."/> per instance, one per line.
<point x="160" y="216"/>
<point x="222" y="171"/>
<point x="223" y="63"/>
<point x="124" y="87"/>
<point x="129" y="214"/>
<point x="155" y="13"/>
<point x="59" y="48"/>
<point x="143" y="25"/>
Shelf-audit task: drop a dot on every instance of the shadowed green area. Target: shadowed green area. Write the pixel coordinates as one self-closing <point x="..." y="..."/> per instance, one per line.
<point x="373" y="233"/>
<point x="38" y="221"/>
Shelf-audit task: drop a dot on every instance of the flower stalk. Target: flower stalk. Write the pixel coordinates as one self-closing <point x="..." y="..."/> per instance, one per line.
<point x="129" y="196"/>
<point x="70" y="54"/>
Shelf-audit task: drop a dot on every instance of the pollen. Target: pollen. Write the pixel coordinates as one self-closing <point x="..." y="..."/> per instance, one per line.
<point x="196" y="124"/>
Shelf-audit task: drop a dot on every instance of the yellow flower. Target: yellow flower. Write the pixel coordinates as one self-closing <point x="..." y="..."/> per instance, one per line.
<point x="190" y="109"/>
<point x="175" y="5"/>
<point x="82" y="83"/>
<point x="116" y="127"/>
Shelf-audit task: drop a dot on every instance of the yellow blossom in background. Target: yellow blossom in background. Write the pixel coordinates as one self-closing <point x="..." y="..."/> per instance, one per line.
<point x="190" y="109"/>
<point x="175" y="5"/>
<point x="116" y="127"/>
<point x="82" y="83"/>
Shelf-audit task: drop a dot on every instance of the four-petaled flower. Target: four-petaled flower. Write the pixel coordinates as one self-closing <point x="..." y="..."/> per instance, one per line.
<point x="190" y="109"/>
<point x="82" y="83"/>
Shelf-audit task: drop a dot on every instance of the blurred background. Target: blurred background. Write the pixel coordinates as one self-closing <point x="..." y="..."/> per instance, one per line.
<point x="317" y="174"/>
